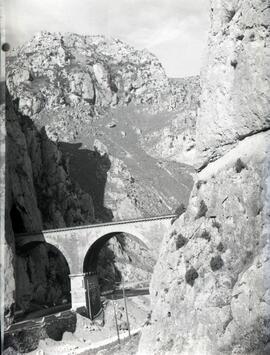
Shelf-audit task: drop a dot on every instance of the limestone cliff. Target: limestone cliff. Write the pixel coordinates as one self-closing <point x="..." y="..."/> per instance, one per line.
<point x="90" y="89"/>
<point x="210" y="289"/>
<point x="39" y="195"/>
<point x="175" y="140"/>
<point x="235" y="98"/>
<point x="78" y="110"/>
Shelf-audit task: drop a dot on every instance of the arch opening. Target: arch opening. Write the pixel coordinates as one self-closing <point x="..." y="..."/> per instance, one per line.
<point x="117" y="256"/>
<point x="42" y="280"/>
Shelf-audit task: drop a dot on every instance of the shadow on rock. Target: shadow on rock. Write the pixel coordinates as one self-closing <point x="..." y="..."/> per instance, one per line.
<point x="89" y="169"/>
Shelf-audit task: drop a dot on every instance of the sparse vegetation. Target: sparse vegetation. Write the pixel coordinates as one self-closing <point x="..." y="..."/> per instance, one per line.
<point x="180" y="241"/>
<point x="206" y="235"/>
<point x="191" y="276"/>
<point x="234" y="63"/>
<point x="239" y="165"/>
<point x="220" y="247"/>
<point x="199" y="183"/>
<point x="216" y="263"/>
<point x="173" y="233"/>
<point x="202" y="210"/>
<point x="216" y="224"/>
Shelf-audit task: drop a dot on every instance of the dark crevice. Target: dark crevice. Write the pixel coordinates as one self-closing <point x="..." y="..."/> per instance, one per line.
<point x="17" y="220"/>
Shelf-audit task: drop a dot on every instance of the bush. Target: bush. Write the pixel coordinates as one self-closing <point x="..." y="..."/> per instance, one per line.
<point x="239" y="166"/>
<point x="199" y="183"/>
<point x="202" y="210"/>
<point x="216" y="263"/>
<point x="180" y="241"/>
<point x="191" y="276"/>
<point x="220" y="247"/>
<point x="216" y="224"/>
<point x="206" y="235"/>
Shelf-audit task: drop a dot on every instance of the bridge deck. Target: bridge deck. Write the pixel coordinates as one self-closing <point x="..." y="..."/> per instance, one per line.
<point x="99" y="225"/>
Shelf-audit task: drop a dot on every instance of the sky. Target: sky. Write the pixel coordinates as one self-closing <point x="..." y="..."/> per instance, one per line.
<point x="174" y="30"/>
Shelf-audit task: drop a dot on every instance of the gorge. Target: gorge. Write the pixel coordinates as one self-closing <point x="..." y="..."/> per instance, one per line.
<point x="96" y="132"/>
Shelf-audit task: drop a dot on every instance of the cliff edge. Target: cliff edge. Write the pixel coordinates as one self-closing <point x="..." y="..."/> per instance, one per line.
<point x="210" y="289"/>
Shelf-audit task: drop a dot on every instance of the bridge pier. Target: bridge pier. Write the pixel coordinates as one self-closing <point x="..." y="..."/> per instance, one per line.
<point x="85" y="292"/>
<point x="77" y="291"/>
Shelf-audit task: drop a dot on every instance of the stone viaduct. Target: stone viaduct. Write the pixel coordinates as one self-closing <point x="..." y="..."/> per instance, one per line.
<point x="81" y="245"/>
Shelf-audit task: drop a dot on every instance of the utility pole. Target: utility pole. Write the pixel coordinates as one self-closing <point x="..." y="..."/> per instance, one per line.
<point x="124" y="296"/>
<point x="116" y="323"/>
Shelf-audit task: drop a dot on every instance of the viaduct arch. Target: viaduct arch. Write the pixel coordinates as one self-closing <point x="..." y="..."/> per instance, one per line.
<point x="76" y="242"/>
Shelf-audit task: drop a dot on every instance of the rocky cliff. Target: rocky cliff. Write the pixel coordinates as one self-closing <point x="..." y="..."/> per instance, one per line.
<point x="211" y="284"/>
<point x="92" y="93"/>
<point x="80" y="110"/>
<point x="39" y="195"/>
<point x="234" y="100"/>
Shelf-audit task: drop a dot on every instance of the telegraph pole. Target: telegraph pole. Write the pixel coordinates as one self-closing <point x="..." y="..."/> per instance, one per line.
<point x="124" y="296"/>
<point x="116" y="323"/>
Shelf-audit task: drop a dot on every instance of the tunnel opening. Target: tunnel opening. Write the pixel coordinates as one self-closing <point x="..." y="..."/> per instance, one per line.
<point x="17" y="220"/>
<point x="42" y="281"/>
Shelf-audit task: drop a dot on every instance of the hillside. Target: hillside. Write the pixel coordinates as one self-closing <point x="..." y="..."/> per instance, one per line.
<point x="82" y="112"/>
<point x="94" y="94"/>
<point x="210" y="287"/>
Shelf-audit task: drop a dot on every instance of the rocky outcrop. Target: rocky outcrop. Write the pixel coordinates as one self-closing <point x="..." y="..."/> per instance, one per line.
<point x="234" y="100"/>
<point x="124" y="259"/>
<point x="54" y="69"/>
<point x="210" y="286"/>
<point x="88" y="89"/>
<point x="78" y="110"/>
<point x="39" y="195"/>
<point x="176" y="140"/>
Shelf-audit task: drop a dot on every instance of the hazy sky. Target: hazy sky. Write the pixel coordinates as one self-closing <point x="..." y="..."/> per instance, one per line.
<point x="174" y="30"/>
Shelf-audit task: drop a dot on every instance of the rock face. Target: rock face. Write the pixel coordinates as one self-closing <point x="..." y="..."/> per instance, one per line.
<point x="54" y="69"/>
<point x="40" y="192"/>
<point x="89" y="89"/>
<point x="235" y="100"/>
<point x="78" y="110"/>
<point x="210" y="286"/>
<point x="39" y="195"/>
<point x="124" y="259"/>
<point x="175" y="141"/>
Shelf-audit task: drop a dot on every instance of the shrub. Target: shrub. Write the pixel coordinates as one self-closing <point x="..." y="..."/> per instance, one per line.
<point x="180" y="241"/>
<point x="191" y="276"/>
<point x="199" y="183"/>
<point x="216" y="224"/>
<point x="206" y="235"/>
<point x="173" y="233"/>
<point x="220" y="247"/>
<point x="216" y="263"/>
<point x="234" y="63"/>
<point x="202" y="210"/>
<point x="239" y="166"/>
